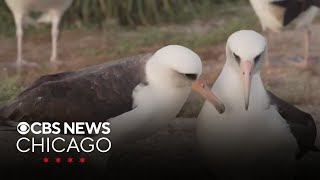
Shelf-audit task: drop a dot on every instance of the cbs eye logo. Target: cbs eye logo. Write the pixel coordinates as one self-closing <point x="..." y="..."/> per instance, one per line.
<point x="23" y="128"/>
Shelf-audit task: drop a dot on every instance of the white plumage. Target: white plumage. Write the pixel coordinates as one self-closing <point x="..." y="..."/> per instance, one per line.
<point x="269" y="15"/>
<point x="245" y="144"/>
<point x="52" y="11"/>
<point x="157" y="103"/>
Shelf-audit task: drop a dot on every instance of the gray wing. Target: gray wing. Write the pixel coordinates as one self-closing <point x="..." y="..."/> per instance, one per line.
<point x="92" y="94"/>
<point x="301" y="124"/>
<point x="293" y="8"/>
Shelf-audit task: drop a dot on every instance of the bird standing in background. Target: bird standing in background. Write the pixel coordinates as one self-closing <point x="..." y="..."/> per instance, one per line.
<point x="52" y="11"/>
<point x="259" y="136"/>
<point x="276" y="14"/>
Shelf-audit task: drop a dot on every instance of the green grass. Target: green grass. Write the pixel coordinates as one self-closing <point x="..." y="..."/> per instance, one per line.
<point x="127" y="41"/>
<point x="221" y="33"/>
<point x="9" y="88"/>
<point x="318" y="18"/>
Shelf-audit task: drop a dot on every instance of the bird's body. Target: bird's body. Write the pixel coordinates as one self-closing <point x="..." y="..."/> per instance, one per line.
<point x="251" y="141"/>
<point x="44" y="6"/>
<point x="52" y="11"/>
<point x="138" y="96"/>
<point x="304" y="10"/>
<point x="246" y="143"/>
<point x="92" y="94"/>
<point x="274" y="15"/>
<point x="270" y="16"/>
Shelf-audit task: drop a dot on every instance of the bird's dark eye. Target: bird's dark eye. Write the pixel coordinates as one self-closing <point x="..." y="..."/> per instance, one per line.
<point x="256" y="59"/>
<point x="237" y="58"/>
<point x="191" y="76"/>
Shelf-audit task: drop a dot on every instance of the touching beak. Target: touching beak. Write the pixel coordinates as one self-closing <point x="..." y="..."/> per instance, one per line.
<point x="200" y="87"/>
<point x="246" y="76"/>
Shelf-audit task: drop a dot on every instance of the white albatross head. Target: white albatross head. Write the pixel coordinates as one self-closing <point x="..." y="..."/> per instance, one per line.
<point x="174" y="67"/>
<point x="245" y="54"/>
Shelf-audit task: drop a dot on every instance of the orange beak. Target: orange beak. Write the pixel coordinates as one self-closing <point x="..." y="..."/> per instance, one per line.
<point x="246" y="77"/>
<point x="200" y="87"/>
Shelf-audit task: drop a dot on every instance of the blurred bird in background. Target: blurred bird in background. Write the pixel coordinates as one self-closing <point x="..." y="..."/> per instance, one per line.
<point x="52" y="11"/>
<point x="277" y="14"/>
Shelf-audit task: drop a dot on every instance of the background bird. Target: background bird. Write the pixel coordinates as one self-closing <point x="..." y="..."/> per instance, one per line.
<point x="259" y="136"/>
<point x="276" y="14"/>
<point x="52" y="11"/>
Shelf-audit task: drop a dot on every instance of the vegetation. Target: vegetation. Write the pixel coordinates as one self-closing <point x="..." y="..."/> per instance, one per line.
<point x="136" y="12"/>
<point x="9" y="88"/>
<point x="126" y="12"/>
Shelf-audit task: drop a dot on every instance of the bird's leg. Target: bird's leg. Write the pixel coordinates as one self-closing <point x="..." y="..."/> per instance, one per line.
<point x="19" y="34"/>
<point x="54" y="35"/>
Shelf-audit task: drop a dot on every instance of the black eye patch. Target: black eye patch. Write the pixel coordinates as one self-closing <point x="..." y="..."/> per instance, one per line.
<point x="236" y="57"/>
<point x="256" y="59"/>
<point x="191" y="76"/>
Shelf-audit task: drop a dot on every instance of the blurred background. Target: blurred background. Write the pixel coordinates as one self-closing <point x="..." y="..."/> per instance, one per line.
<point x="97" y="31"/>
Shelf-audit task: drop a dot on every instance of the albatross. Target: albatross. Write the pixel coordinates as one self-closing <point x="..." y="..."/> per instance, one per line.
<point x="137" y="96"/>
<point x="259" y="136"/>
<point x="52" y="13"/>
<point x="276" y="14"/>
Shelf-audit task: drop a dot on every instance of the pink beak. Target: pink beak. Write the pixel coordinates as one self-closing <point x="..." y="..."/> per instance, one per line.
<point x="246" y="77"/>
<point x="200" y="87"/>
